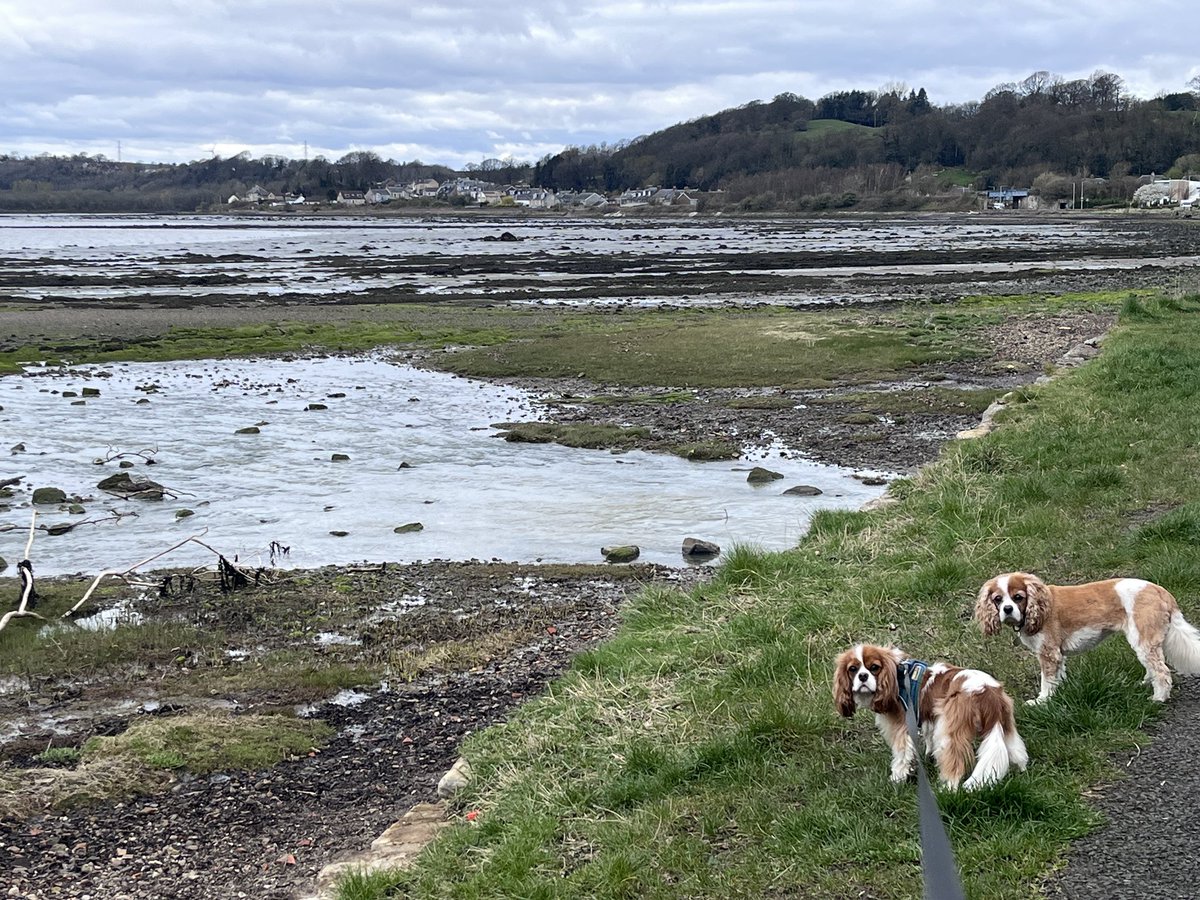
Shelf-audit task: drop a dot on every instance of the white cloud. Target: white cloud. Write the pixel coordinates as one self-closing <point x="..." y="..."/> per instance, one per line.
<point x="454" y="83"/>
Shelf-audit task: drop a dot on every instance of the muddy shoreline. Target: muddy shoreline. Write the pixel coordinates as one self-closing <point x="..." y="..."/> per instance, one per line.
<point x="488" y="635"/>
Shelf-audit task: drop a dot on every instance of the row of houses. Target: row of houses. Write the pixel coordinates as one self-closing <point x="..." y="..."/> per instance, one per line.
<point x="482" y="193"/>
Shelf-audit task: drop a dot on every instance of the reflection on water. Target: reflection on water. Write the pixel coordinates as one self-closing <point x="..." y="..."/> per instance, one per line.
<point x="420" y="450"/>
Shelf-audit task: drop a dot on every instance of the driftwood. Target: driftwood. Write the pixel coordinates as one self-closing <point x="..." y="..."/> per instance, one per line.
<point x="232" y="576"/>
<point x="244" y="575"/>
<point x="147" y="455"/>
<point x="28" y="597"/>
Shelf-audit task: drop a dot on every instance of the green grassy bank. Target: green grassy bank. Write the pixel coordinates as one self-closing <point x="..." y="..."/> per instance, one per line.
<point x="698" y="753"/>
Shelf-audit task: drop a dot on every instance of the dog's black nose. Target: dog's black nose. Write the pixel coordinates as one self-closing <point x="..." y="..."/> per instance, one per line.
<point x="1007" y="610"/>
<point x="862" y="676"/>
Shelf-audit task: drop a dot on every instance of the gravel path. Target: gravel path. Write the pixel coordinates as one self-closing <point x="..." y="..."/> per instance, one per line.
<point x="1151" y="844"/>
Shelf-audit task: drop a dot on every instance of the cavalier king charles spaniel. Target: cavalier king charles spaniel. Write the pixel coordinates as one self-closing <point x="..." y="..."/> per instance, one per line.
<point x="1054" y="620"/>
<point x="956" y="705"/>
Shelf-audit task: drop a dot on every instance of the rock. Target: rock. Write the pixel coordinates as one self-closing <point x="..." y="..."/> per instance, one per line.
<point x="18" y="448"/>
<point x="60" y="528"/>
<point x="91" y="392"/>
<point x="76" y="510"/>
<point x="339" y="457"/>
<point x="69" y="394"/>
<point x="872" y="480"/>
<point x="3" y="563"/>
<point x="759" y="475"/>
<point x="183" y="513"/>
<point x="125" y="464"/>
<point x="456" y="779"/>
<point x="249" y="429"/>
<point x="339" y="533"/>
<point x="409" y="528"/>
<point x="694" y="548"/>
<point x="49" y="495"/>
<point x="316" y="406"/>
<point x="404" y="465"/>
<point x="626" y="553"/>
<point x="396" y="848"/>
<point x="123" y="485"/>
<point x="804" y="490"/>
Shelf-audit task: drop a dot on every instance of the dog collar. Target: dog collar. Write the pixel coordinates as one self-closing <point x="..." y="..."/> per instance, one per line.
<point x="910" y="673"/>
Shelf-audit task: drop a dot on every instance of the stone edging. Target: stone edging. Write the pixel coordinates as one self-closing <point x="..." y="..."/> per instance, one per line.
<point x="1076" y="356"/>
<point x="404" y="839"/>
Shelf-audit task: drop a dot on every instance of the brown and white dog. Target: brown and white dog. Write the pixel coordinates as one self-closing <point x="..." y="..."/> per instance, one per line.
<point x="1054" y="620"/>
<point x="954" y="707"/>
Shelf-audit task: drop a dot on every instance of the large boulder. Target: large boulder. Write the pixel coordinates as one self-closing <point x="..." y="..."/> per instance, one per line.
<point x="696" y="549"/>
<point x="49" y="495"/>
<point x="759" y="475"/>
<point x="626" y="553"/>
<point x="804" y="490"/>
<point x="123" y="485"/>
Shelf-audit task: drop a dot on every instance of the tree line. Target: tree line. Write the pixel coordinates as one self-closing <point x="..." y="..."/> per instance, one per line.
<point x="890" y="147"/>
<point x="1043" y="132"/>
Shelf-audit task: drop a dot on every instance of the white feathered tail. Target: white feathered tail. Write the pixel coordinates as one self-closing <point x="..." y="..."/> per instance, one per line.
<point x="996" y="753"/>
<point x="1181" y="646"/>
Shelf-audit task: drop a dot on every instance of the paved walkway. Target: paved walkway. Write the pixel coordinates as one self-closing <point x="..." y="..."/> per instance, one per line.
<point x="1150" y="848"/>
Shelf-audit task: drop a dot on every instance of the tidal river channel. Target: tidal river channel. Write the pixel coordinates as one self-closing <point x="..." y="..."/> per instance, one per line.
<point x="420" y="450"/>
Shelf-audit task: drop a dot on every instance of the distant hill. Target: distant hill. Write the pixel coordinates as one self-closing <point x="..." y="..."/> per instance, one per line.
<point x="863" y="149"/>
<point x="897" y="148"/>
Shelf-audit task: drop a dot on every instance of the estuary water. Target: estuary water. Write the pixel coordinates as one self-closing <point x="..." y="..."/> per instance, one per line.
<point x="421" y="450"/>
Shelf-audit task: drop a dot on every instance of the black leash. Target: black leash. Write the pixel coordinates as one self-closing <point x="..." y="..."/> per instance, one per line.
<point x="937" y="857"/>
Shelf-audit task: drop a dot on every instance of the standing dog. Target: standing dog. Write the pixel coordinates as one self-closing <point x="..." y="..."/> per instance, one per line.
<point x="957" y="705"/>
<point x="1053" y="620"/>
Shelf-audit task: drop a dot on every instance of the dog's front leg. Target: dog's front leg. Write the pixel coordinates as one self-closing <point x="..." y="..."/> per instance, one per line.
<point x="1054" y="670"/>
<point x="903" y="754"/>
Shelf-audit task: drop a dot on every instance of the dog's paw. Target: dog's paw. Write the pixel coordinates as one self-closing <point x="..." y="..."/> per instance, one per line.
<point x="1037" y="701"/>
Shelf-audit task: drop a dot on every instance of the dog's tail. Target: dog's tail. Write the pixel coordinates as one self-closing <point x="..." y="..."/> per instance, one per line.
<point x="1182" y="645"/>
<point x="992" y="759"/>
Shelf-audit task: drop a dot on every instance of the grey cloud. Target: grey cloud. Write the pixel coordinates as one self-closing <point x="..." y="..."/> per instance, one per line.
<point x="476" y="78"/>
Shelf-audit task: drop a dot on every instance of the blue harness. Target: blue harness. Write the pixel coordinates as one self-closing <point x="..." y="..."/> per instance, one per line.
<point x="910" y="674"/>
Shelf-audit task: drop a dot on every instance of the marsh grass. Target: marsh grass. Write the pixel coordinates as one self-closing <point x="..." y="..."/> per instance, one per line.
<point x="140" y="759"/>
<point x="697" y="753"/>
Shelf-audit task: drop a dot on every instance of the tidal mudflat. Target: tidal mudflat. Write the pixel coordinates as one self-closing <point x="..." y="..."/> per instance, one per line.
<point x="571" y="323"/>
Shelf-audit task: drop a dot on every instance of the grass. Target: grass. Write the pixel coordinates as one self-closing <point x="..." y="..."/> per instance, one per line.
<point x="697" y="754"/>
<point x="140" y="759"/>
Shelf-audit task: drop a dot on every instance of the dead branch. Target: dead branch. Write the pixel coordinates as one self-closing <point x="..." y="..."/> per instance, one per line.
<point x="147" y="454"/>
<point x="244" y="574"/>
<point x="64" y="527"/>
<point x="28" y="598"/>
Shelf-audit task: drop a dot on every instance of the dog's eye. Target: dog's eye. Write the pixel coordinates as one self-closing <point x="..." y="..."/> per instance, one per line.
<point x="996" y="599"/>
<point x="1018" y="596"/>
<point x="875" y="667"/>
<point x="853" y="669"/>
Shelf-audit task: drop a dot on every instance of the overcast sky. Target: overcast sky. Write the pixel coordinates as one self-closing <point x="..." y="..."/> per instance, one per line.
<point x="454" y="83"/>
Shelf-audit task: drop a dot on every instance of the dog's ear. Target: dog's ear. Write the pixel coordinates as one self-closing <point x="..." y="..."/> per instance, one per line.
<point x="986" y="613"/>
<point x="887" y="684"/>
<point x="1037" y="604"/>
<point x="843" y="697"/>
